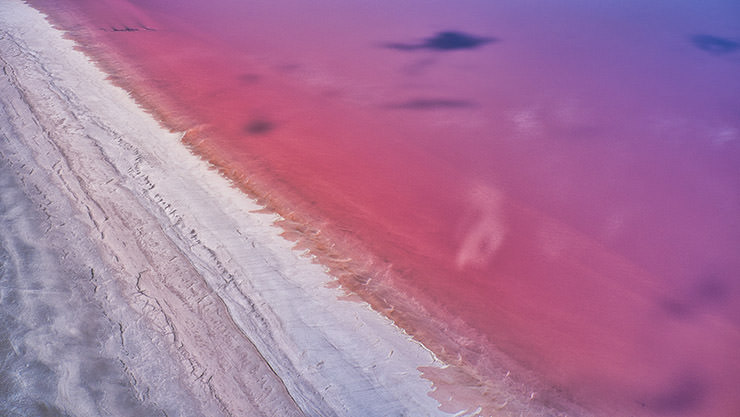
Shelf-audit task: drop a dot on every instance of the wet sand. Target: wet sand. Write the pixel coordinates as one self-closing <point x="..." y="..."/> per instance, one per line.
<point x="136" y="280"/>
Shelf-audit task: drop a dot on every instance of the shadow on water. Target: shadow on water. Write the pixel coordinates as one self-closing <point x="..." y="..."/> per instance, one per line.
<point x="445" y="41"/>
<point x="677" y="309"/>
<point x="685" y="396"/>
<point x="714" y="44"/>
<point x="259" y="127"/>
<point x="712" y="290"/>
<point x="250" y="78"/>
<point x="433" y="104"/>
<point x="708" y="293"/>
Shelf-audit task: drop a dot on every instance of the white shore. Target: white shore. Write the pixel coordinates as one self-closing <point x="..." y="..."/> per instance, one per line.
<point x="210" y="302"/>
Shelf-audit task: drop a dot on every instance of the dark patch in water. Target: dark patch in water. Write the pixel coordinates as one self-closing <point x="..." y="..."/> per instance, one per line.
<point x="259" y="127"/>
<point x="289" y="67"/>
<point x="714" y="44"/>
<point x="126" y="28"/>
<point x="686" y="395"/>
<point x="145" y="27"/>
<point x="445" y="41"/>
<point x="676" y="309"/>
<point x="250" y="78"/>
<point x="712" y="290"/>
<point x="708" y="292"/>
<point x="433" y="104"/>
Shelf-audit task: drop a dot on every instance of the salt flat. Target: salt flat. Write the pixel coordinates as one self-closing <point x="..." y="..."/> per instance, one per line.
<point x="192" y="302"/>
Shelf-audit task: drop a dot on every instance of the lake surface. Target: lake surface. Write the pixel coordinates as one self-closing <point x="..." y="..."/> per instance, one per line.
<point x="559" y="182"/>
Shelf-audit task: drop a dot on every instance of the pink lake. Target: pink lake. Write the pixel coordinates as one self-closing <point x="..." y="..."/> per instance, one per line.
<point x="557" y="182"/>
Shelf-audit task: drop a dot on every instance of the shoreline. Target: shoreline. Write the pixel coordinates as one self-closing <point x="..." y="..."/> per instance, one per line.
<point x="360" y="274"/>
<point x="170" y="235"/>
<point x="119" y="176"/>
<point x="598" y="254"/>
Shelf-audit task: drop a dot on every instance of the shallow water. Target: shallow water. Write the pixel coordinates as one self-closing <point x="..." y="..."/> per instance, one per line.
<point x="559" y="182"/>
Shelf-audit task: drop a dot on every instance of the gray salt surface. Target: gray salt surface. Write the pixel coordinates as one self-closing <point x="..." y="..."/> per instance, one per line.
<point x="60" y="353"/>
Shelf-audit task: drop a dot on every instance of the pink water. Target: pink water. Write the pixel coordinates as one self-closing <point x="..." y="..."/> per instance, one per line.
<point x="566" y="191"/>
